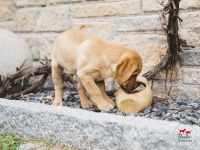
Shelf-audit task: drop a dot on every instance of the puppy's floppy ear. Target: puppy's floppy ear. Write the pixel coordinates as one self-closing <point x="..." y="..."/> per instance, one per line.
<point x="124" y="69"/>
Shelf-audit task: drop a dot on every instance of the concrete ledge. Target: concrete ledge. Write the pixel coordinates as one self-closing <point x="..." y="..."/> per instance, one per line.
<point x="89" y="130"/>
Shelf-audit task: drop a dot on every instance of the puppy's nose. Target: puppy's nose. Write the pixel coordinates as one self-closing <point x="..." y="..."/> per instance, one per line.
<point x="126" y="87"/>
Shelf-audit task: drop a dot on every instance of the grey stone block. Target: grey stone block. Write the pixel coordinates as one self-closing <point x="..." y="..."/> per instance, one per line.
<point x="6" y="10"/>
<point x="185" y="4"/>
<point x="61" y="1"/>
<point x="25" y="3"/>
<point x="27" y="146"/>
<point x="106" y="9"/>
<point x="190" y="58"/>
<point x="52" y="18"/>
<point x="40" y="44"/>
<point x="152" y="5"/>
<point x="138" y="23"/>
<point x="177" y="89"/>
<point x="154" y="135"/>
<point x="8" y="25"/>
<point x="190" y="31"/>
<point x="89" y="130"/>
<point x="75" y="128"/>
<point x="190" y="75"/>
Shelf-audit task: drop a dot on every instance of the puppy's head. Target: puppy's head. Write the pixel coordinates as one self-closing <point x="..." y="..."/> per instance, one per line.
<point x="127" y="70"/>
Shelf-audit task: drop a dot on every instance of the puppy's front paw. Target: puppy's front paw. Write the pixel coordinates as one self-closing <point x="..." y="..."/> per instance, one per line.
<point x="105" y="106"/>
<point x="57" y="103"/>
<point x="110" y="101"/>
<point x="87" y="104"/>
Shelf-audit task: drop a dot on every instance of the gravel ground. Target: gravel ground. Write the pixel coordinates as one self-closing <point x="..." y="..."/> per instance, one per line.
<point x="180" y="109"/>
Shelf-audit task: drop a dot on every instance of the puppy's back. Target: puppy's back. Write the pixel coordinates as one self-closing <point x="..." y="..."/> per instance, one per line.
<point x="64" y="50"/>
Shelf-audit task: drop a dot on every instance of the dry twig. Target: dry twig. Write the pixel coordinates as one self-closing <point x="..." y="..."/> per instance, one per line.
<point x="23" y="74"/>
<point x="171" y="28"/>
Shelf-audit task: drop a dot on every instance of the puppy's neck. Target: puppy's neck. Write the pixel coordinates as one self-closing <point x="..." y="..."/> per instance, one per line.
<point x="115" y="52"/>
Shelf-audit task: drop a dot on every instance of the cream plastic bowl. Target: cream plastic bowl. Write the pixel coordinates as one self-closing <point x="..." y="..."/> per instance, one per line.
<point x="134" y="102"/>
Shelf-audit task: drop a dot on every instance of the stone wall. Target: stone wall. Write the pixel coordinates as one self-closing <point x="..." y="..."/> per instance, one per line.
<point x="133" y="23"/>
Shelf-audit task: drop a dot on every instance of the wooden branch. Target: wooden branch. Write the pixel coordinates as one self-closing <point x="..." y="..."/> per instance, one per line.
<point x="170" y="59"/>
<point x="30" y="89"/>
<point x="22" y="74"/>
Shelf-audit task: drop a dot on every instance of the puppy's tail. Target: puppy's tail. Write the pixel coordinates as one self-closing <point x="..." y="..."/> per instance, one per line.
<point x="80" y="27"/>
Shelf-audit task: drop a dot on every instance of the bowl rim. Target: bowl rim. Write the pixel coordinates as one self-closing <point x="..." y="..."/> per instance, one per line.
<point x="145" y="86"/>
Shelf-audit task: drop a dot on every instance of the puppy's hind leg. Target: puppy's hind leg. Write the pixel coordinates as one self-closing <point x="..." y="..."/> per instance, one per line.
<point x="85" y="102"/>
<point x="58" y="85"/>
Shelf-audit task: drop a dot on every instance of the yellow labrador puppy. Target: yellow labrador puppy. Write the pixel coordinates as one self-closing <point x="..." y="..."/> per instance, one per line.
<point x="92" y="59"/>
